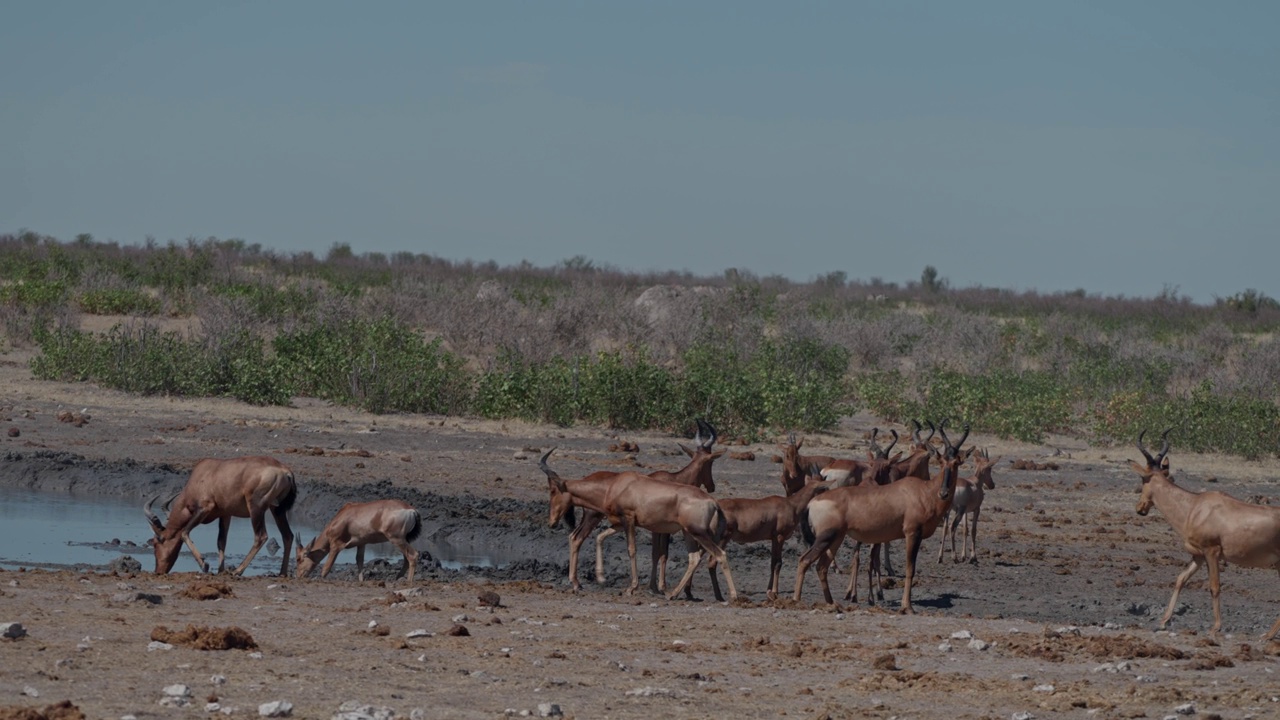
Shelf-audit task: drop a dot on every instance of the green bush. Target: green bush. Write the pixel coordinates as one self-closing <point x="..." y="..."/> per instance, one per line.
<point x="118" y="302"/>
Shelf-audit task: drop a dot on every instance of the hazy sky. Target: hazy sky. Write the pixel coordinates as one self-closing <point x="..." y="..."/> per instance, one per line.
<point x="1119" y="147"/>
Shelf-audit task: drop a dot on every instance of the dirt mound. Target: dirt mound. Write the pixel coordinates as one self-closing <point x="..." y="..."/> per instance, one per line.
<point x="206" y="638"/>
<point x="58" y="711"/>
<point x="1056" y="647"/>
<point x="206" y="590"/>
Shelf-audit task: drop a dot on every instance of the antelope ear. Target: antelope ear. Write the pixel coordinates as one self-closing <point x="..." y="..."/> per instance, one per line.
<point x="686" y="449"/>
<point x="998" y="459"/>
<point x="1142" y="470"/>
<point x="896" y="457"/>
<point x="717" y="454"/>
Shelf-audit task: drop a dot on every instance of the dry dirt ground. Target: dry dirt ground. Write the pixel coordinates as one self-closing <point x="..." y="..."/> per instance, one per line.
<point x="1059" y="614"/>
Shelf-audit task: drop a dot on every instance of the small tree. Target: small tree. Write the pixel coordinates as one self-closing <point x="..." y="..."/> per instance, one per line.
<point x="930" y="281"/>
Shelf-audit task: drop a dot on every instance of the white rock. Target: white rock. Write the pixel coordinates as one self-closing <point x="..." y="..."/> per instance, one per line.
<point x="178" y="690"/>
<point x="420" y="632"/>
<point x="417" y="714"/>
<point x="212" y="707"/>
<point x="1046" y="688"/>
<point x="12" y="631"/>
<point x="944" y="647"/>
<point x="353" y="710"/>
<point x="1020" y="676"/>
<point x="649" y="691"/>
<point x="373" y="624"/>
<point x="228" y="710"/>
<point x="961" y="635"/>
<point x="461" y="618"/>
<point x="1068" y="630"/>
<point x="157" y="645"/>
<point x="218" y="680"/>
<point x="1022" y="715"/>
<point x="30" y="691"/>
<point x="256" y="656"/>
<point x="979" y="645"/>
<point x="276" y="708"/>
<point x="1105" y="667"/>
<point x="1186" y="709"/>
<point x="549" y="710"/>
<point x="174" y="701"/>
<point x="1123" y="665"/>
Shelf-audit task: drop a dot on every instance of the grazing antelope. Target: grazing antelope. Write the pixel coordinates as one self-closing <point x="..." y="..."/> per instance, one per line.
<point x="588" y="493"/>
<point x="773" y="518"/>
<point x="909" y="509"/>
<point x="795" y="465"/>
<point x="659" y="506"/>
<point x="1213" y="526"/>
<point x="359" y="524"/>
<point x="967" y="506"/>
<point x="220" y="490"/>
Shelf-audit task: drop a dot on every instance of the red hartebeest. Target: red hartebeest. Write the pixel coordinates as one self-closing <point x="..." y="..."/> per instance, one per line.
<point x="910" y="508"/>
<point x="1213" y="526"/>
<point x="359" y="524"/>
<point x="220" y="490"/>
<point x="968" y="506"/>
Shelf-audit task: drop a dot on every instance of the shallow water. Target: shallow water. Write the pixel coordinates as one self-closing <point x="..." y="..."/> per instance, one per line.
<point x="39" y="529"/>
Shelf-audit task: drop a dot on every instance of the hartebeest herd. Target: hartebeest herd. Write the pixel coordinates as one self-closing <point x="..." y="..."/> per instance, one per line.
<point x="875" y="501"/>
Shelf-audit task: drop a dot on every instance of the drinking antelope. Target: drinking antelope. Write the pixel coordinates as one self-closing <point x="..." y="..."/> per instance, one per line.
<point x="1213" y="526"/>
<point x="220" y="490"/>
<point x="359" y="524"/>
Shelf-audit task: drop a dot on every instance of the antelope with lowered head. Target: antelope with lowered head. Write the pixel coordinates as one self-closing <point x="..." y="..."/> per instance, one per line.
<point x="909" y="509"/>
<point x="360" y="524"/>
<point x="220" y="490"/>
<point x="1213" y="526"/>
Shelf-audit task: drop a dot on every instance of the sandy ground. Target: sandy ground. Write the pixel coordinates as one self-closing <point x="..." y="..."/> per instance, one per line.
<point x="1059" y="614"/>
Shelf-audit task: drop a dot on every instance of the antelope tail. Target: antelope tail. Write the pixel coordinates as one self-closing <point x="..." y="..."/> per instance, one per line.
<point x="721" y="527"/>
<point x="286" y="501"/>
<point x="416" y="530"/>
<point x="806" y="529"/>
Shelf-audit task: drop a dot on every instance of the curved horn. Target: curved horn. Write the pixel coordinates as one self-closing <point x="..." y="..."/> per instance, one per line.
<point x="889" y="449"/>
<point x="932" y="430"/>
<point x="1151" y="462"/>
<point x="542" y="463"/>
<point x="961" y="440"/>
<point x="169" y="502"/>
<point x="711" y="433"/>
<point x="875" y="448"/>
<point x="915" y="433"/>
<point x="151" y="516"/>
<point x="1164" y="450"/>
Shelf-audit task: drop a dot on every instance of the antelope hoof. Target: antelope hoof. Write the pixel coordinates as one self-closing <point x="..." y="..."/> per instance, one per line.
<point x="906" y="611"/>
<point x="973" y="561"/>
<point x="772" y="595"/>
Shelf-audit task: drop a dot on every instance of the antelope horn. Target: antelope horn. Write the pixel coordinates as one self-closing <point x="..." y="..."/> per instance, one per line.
<point x="962" y="439"/>
<point x="932" y="430"/>
<point x="915" y="434"/>
<point x="169" y="502"/>
<point x="1164" y="450"/>
<point x="151" y="516"/>
<point x="542" y="464"/>
<point x="874" y="447"/>
<point x="889" y="449"/>
<point x="711" y="432"/>
<point x="1151" y="462"/>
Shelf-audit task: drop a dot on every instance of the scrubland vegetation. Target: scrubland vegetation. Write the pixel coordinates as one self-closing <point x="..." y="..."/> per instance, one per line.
<point x="577" y="343"/>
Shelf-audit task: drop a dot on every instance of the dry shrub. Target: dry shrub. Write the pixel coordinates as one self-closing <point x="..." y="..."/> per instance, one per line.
<point x="58" y="711"/>
<point x="206" y="590"/>
<point x="206" y="638"/>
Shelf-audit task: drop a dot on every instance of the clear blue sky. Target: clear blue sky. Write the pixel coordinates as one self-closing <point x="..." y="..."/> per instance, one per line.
<point x="1119" y="147"/>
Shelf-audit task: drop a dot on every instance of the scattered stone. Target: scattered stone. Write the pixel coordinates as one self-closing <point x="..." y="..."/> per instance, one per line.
<point x="207" y="590"/>
<point x="979" y="645"/>
<point x="178" y="690"/>
<point x="14" y="432"/>
<point x="419" y="633"/>
<point x="885" y="662"/>
<point x="1022" y="715"/>
<point x="961" y="635"/>
<point x="218" y="680"/>
<point x="352" y="710"/>
<point x="63" y="710"/>
<point x="1046" y="688"/>
<point x="272" y="547"/>
<point x="1186" y="709"/>
<point x="30" y="691"/>
<point x="276" y="708"/>
<point x="458" y="631"/>
<point x="125" y="565"/>
<point x="461" y="618"/>
<point x="944" y="647"/>
<point x="12" y="631"/>
<point x="746" y="456"/>
<point x="157" y="645"/>
<point x="145" y="598"/>
<point x="489" y="598"/>
<point x="549" y="710"/>
<point x="1020" y="677"/>
<point x="649" y="691"/>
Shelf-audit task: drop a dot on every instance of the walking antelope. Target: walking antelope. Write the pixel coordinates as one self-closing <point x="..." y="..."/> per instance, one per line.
<point x="910" y="509"/>
<point x="220" y="490"/>
<point x="1213" y="526"/>
<point x="772" y="519"/>
<point x="359" y="524"/>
